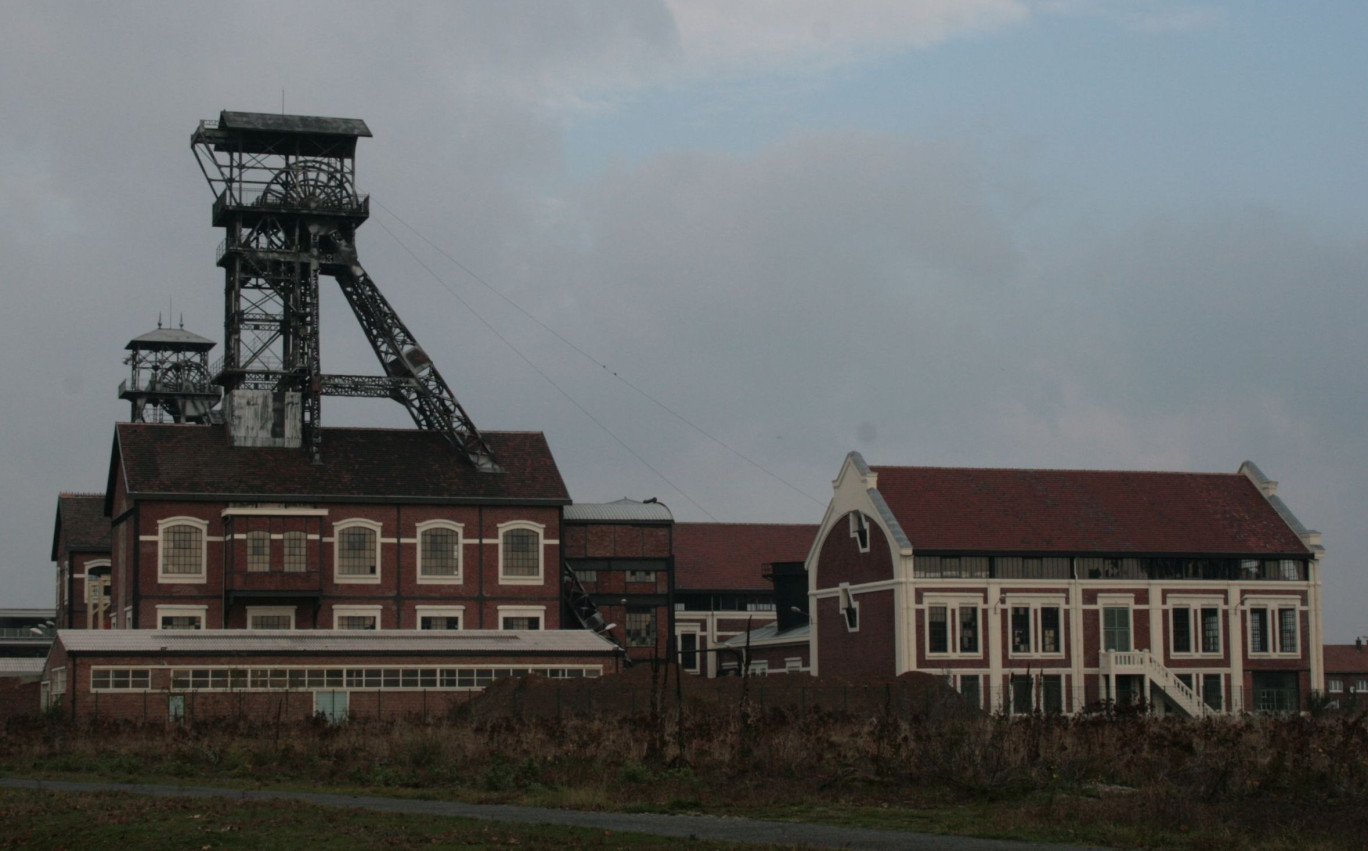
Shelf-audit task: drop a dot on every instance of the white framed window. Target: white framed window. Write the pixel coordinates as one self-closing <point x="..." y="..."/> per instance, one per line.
<point x="120" y="679"/>
<point x="758" y="668"/>
<point x="954" y="626"/>
<point x="127" y="621"/>
<point x="1195" y="627"/>
<point x="1116" y="628"/>
<point x="1361" y="685"/>
<point x="520" y="553"/>
<point x="1035" y="627"/>
<point x="439" y="552"/>
<point x="641" y="576"/>
<point x="689" y="655"/>
<point x="270" y="617"/>
<point x="59" y="682"/>
<point x="793" y="664"/>
<point x="356" y="617"/>
<point x="181" y="617"/>
<point x="850" y="608"/>
<point x="859" y="530"/>
<point x="522" y="617"/>
<point x="1334" y="685"/>
<point x="440" y="617"/>
<point x="1274" y="629"/>
<point x="182" y="544"/>
<point x="356" y="551"/>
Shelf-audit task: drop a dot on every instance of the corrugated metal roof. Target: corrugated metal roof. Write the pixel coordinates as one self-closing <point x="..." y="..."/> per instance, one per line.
<point x="330" y="641"/>
<point x="312" y="124"/>
<point x="167" y="338"/>
<point x="11" y="666"/>
<point x="620" y="511"/>
<point x="770" y="634"/>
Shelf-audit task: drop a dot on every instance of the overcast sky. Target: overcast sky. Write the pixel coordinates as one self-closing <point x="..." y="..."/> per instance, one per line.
<point x="1065" y="233"/>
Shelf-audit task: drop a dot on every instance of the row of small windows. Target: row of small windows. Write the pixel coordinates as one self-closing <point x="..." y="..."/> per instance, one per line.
<point x="356" y="552"/>
<point x="284" y="618"/>
<point x="1038" y="630"/>
<point x="1027" y="693"/>
<point x="271" y="679"/>
<point x="1019" y="567"/>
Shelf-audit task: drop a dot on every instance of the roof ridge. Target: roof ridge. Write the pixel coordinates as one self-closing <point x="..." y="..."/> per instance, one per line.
<point x="877" y="467"/>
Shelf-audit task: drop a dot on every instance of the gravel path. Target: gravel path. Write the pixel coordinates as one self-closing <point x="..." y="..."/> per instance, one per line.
<point x="702" y="827"/>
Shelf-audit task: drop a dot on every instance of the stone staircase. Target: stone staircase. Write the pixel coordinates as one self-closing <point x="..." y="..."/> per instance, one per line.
<point x="1143" y="663"/>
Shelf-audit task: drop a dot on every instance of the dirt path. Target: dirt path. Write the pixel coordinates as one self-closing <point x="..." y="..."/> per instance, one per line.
<point x="702" y="827"/>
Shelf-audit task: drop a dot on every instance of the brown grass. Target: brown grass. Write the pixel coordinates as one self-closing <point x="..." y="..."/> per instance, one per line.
<point x="1222" y="783"/>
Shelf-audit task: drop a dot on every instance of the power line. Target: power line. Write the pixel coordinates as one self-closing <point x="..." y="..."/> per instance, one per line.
<point x="582" y="353"/>
<point x="595" y="420"/>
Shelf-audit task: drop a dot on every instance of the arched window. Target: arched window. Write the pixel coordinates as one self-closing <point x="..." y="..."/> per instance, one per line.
<point x="357" y="548"/>
<point x="181" y="549"/>
<point x="520" y="554"/>
<point x="439" y="552"/>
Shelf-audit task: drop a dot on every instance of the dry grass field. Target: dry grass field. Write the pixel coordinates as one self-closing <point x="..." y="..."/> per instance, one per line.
<point x="898" y="754"/>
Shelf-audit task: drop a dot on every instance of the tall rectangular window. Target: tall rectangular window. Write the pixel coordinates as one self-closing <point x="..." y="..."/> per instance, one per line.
<point x="1021" y="629"/>
<point x="1116" y="631"/>
<point x="1211" y="691"/>
<point x="1182" y="629"/>
<point x="1258" y="631"/>
<point x="1049" y="630"/>
<point x="182" y="550"/>
<point x="970" y="688"/>
<point x="688" y="651"/>
<point x="1052" y="693"/>
<point x="969" y="629"/>
<point x="295" y="555"/>
<point x="1287" y="631"/>
<point x="258" y="551"/>
<point x="521" y="553"/>
<point x="1211" y="630"/>
<point x="938" y="630"/>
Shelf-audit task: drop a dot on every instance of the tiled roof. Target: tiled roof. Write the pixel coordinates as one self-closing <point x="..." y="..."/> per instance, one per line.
<point x="1345" y="659"/>
<point x="965" y="509"/>
<point x="82" y="521"/>
<point x="620" y="511"/>
<point x="306" y="641"/>
<point x="735" y="556"/>
<point x="358" y="463"/>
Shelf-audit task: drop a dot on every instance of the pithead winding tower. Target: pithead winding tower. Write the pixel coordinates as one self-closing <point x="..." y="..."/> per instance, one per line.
<point x="286" y="197"/>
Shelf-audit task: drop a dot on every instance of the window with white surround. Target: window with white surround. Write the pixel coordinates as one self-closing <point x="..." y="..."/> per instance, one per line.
<point x="522" y="617"/>
<point x="1274" y="630"/>
<point x="1334" y="685"/>
<point x="1195" y="629"/>
<point x="181" y="550"/>
<point x="952" y="627"/>
<point x="439" y="617"/>
<point x="270" y="617"/>
<point x="520" y="553"/>
<point x="1116" y="628"/>
<point x="859" y="530"/>
<point x="356" y="617"/>
<point x="688" y="650"/>
<point x="1035" y="628"/>
<point x="850" y="609"/>
<point x="181" y="617"/>
<point x="439" y="551"/>
<point x="356" y="549"/>
<point x="1361" y="685"/>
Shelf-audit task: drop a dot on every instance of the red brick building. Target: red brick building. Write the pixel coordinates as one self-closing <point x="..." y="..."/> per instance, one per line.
<point x="1346" y="674"/>
<point x="80" y="547"/>
<point x="722" y="585"/>
<point x="1053" y="590"/>
<point x="161" y="676"/>
<point x="621" y="554"/>
<point x="396" y="529"/>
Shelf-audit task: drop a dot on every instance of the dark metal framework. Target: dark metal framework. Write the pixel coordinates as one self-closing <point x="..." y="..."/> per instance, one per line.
<point x="169" y="377"/>
<point x="286" y="197"/>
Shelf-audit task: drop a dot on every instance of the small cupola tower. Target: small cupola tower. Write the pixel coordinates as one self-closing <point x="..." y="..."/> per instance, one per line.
<point x="169" y="379"/>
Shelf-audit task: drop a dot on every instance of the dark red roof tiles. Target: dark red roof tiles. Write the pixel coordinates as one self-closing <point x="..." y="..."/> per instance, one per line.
<point x="735" y="556"/>
<point x="388" y="464"/>
<point x="82" y="522"/>
<point x="1078" y="511"/>
<point x="1345" y="659"/>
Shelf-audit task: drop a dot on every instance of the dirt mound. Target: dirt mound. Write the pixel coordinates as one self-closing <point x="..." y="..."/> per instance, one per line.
<point x="630" y="693"/>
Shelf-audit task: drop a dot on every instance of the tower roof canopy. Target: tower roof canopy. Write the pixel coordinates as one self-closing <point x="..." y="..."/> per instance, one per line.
<point x="170" y="338"/>
<point x="269" y="133"/>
